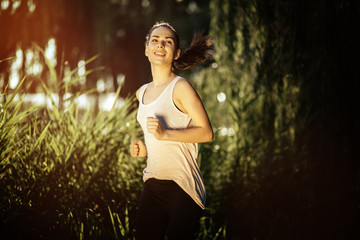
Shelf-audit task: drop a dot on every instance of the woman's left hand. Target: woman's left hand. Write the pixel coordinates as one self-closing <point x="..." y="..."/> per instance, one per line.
<point x="154" y="126"/>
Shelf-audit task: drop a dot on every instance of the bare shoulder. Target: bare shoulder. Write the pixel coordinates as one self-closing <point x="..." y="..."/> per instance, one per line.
<point x="182" y="82"/>
<point x="183" y="88"/>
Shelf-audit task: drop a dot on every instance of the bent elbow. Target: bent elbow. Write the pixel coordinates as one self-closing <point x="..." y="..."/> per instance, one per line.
<point x="212" y="136"/>
<point x="209" y="136"/>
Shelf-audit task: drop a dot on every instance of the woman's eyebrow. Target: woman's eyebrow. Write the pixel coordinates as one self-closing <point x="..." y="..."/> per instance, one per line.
<point x="156" y="36"/>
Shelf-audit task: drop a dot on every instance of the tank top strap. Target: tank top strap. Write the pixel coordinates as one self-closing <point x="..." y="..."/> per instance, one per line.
<point x="142" y="91"/>
<point x="172" y="85"/>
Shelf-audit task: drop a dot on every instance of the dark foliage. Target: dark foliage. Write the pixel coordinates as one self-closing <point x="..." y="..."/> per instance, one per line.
<point x="307" y="188"/>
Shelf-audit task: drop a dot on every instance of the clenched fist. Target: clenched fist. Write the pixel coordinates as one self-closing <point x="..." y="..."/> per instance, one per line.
<point x="154" y="126"/>
<point x="138" y="149"/>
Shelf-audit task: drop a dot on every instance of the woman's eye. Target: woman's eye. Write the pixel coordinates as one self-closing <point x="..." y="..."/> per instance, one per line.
<point x="154" y="40"/>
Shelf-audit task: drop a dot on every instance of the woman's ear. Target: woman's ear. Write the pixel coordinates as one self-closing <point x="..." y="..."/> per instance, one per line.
<point x="177" y="55"/>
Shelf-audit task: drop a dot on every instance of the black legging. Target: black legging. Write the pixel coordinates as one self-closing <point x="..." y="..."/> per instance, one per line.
<point x="166" y="209"/>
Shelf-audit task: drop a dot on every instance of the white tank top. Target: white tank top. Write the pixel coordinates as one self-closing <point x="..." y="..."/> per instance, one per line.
<point x="170" y="160"/>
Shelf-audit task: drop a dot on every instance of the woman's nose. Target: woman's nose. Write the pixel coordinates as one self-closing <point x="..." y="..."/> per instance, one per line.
<point x="162" y="43"/>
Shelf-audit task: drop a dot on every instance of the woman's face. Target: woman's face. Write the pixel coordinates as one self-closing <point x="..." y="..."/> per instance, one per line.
<point x="161" y="49"/>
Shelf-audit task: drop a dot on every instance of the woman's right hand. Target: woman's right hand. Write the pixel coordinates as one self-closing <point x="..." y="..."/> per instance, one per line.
<point x="138" y="149"/>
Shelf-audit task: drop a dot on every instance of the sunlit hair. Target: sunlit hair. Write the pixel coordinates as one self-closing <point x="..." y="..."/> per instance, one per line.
<point x="197" y="53"/>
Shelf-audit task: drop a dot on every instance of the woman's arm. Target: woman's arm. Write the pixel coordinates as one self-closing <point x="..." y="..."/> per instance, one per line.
<point x="188" y="101"/>
<point x="137" y="147"/>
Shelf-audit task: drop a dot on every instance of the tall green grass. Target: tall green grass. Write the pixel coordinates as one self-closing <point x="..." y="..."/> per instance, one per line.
<point x="62" y="169"/>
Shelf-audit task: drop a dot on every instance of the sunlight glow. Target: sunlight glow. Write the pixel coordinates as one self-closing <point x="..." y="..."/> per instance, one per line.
<point x="192" y="7"/>
<point x="31" y="5"/>
<point x="227" y="131"/>
<point x="50" y="51"/>
<point x="214" y="65"/>
<point x="221" y="97"/>
<point x="107" y="101"/>
<point x="109" y="83"/>
<point x="5" y="4"/>
<point x="82" y="71"/>
<point x="55" y="98"/>
<point x="40" y="99"/>
<point x="32" y="62"/>
<point x="36" y="98"/>
<point x="85" y="101"/>
<point x="2" y="80"/>
<point x="15" y="5"/>
<point x="19" y="58"/>
<point x="29" y="57"/>
<point x="14" y="77"/>
<point x="36" y="68"/>
<point x="120" y="79"/>
<point x="100" y="85"/>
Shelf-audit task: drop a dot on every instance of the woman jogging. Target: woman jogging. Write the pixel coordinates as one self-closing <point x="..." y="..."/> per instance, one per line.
<point x="173" y="120"/>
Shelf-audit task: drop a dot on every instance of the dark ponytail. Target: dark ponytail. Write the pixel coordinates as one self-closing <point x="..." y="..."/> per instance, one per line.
<point x="199" y="51"/>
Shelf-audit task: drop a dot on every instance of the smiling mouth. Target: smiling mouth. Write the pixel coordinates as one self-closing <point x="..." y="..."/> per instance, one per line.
<point x="159" y="54"/>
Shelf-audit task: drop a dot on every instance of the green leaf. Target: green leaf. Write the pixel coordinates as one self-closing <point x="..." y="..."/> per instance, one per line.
<point x="41" y="137"/>
<point x="6" y="59"/>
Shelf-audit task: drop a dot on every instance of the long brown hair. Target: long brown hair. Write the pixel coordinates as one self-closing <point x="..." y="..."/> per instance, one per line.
<point x="197" y="53"/>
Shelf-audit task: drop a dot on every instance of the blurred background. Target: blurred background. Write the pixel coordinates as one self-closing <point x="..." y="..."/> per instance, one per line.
<point x="70" y="32"/>
<point x="281" y="92"/>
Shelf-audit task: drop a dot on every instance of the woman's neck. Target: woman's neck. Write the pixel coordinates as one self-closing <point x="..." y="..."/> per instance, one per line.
<point x="161" y="76"/>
